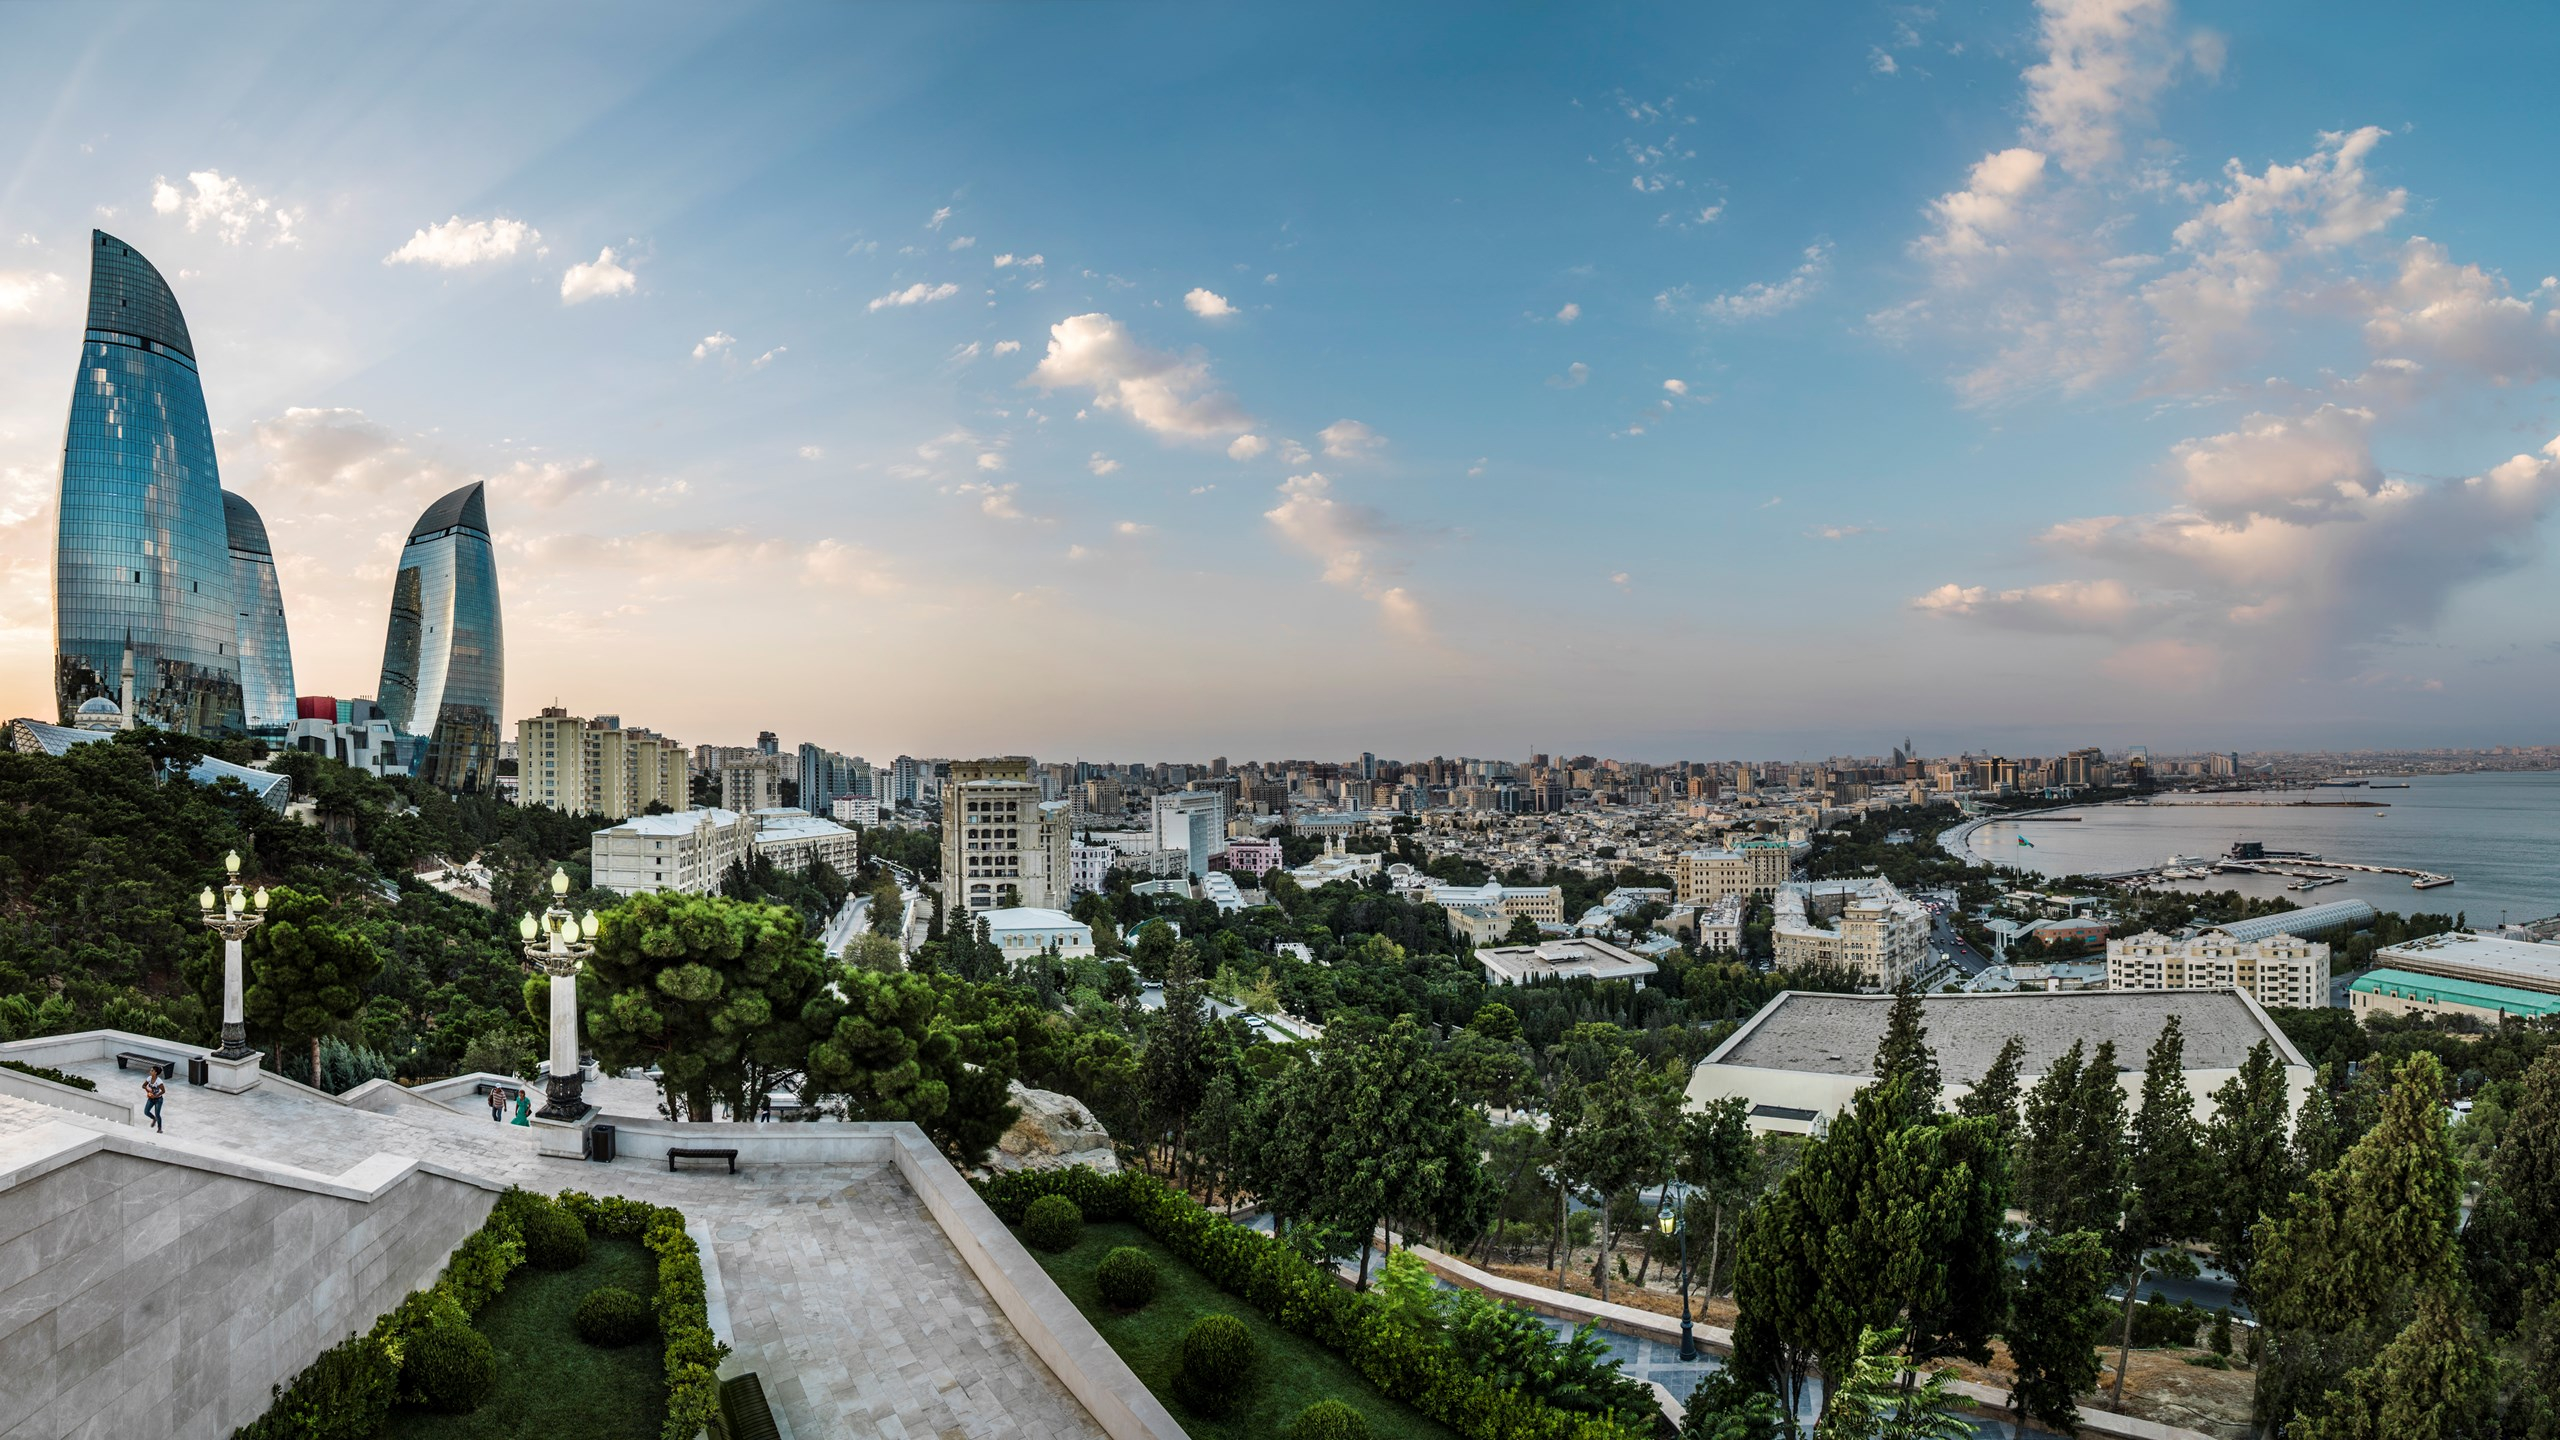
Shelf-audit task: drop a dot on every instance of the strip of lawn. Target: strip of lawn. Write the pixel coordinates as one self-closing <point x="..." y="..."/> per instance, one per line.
<point x="550" y="1382"/>
<point x="1296" y="1372"/>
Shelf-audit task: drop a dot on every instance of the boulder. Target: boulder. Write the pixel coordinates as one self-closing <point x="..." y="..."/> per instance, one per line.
<point x="1055" y="1131"/>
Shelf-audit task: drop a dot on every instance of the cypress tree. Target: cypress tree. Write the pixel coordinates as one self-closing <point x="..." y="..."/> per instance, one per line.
<point x="1995" y="1097"/>
<point x="2321" y="1136"/>
<point x="2056" y="1316"/>
<point x="2167" y="1197"/>
<point x="1904" y="1052"/>
<point x="2253" y="1168"/>
<point x="2432" y="1382"/>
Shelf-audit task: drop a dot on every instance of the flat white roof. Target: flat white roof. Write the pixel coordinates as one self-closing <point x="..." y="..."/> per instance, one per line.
<point x="679" y="822"/>
<point x="1030" y="917"/>
<point x="2460" y="954"/>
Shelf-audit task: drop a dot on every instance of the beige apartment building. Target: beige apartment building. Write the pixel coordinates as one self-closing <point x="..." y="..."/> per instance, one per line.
<point x="596" y="767"/>
<point x="998" y="834"/>
<point x="688" y="851"/>
<point x="1861" y="925"/>
<point x="1483" y="913"/>
<point x="2277" y="970"/>
<point x="751" y="782"/>
<point x="1752" y="868"/>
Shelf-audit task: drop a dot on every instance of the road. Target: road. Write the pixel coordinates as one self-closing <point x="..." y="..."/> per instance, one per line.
<point x="847" y="922"/>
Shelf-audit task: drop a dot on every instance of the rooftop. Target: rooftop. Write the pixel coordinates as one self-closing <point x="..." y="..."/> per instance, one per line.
<point x="679" y="822"/>
<point x="1555" y="959"/>
<point x="2436" y="989"/>
<point x="2487" y="959"/>
<point x="1030" y="917"/>
<point x="1837" y="1034"/>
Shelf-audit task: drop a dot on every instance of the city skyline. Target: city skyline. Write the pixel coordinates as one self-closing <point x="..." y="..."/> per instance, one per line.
<point x="2023" y="375"/>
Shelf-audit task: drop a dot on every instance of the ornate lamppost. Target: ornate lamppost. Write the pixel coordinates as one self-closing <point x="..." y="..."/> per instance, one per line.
<point x="558" y="944"/>
<point x="1678" y="1221"/>
<point x="232" y="917"/>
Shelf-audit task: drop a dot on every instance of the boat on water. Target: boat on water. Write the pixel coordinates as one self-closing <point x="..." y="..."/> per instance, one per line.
<point x="2390" y="785"/>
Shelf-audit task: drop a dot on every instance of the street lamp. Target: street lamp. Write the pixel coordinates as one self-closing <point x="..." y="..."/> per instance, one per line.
<point x="232" y="917"/>
<point x="558" y="944"/>
<point x="1678" y="1221"/>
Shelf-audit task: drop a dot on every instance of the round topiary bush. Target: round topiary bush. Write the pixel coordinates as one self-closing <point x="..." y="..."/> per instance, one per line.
<point x="1127" y="1278"/>
<point x="1218" y="1361"/>
<point x="611" y="1315"/>
<point x="1329" y="1420"/>
<point x="553" y="1238"/>
<point x="451" y="1366"/>
<point x="1053" y="1223"/>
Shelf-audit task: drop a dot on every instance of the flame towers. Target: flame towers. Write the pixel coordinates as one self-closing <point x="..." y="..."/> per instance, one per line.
<point x="444" y="652"/>
<point x="266" y="654"/>
<point x="142" y="569"/>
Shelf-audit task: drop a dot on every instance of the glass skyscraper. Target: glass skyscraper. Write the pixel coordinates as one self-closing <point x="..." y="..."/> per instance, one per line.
<point x="142" y="568"/>
<point x="444" y="654"/>
<point x="266" y="652"/>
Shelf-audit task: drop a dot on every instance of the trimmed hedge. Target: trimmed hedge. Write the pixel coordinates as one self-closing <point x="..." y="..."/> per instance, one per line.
<point x="1304" y="1298"/>
<point x="47" y="1072"/>
<point x="611" y="1315"/>
<point x="347" y="1393"/>
<point x="451" y="1366"/>
<point x="1127" y="1278"/>
<point x="554" y="1239"/>
<point x="1053" y="1223"/>
<point x="1329" y="1420"/>
<point x="1218" y="1361"/>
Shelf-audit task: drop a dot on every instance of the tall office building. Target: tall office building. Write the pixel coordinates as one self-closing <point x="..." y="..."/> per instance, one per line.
<point x="444" y="652"/>
<point x="1193" y="822"/>
<point x="142" y="571"/>
<point x="826" y="777"/>
<point x="266" y="651"/>
<point x="1001" y="843"/>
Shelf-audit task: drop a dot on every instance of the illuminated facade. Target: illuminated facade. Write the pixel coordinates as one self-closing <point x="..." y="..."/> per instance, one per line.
<point x="142" y="570"/>
<point x="265" y="650"/>
<point x="444" y="652"/>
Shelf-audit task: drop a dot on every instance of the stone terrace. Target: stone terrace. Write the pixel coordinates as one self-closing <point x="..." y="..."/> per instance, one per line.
<point x="842" y="1292"/>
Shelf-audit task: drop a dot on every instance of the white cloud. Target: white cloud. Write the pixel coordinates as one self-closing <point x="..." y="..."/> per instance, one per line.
<point x="1101" y="464"/>
<point x="939" y="216"/>
<point x="22" y="291"/>
<point x="1133" y="528"/>
<point x="718" y="342"/>
<point x="1676" y="387"/>
<point x="962" y="242"/>
<point x="1761" y="299"/>
<point x="1351" y="440"/>
<point x="1009" y="258"/>
<point x="605" y="277"/>
<point x="919" y="293"/>
<point x="996" y="502"/>
<point x="990" y="460"/>
<point x="2069" y="606"/>
<point x="459" y="242"/>
<point x="1172" y="395"/>
<point x="767" y="357"/>
<point x="1343" y="536"/>
<point x="1573" y="378"/>
<point x="1007" y="347"/>
<point x="2105" y="61"/>
<point x="1207" y="304"/>
<point x="1570" y="313"/>
<point x="1246" y="447"/>
<point x="811" y="452"/>
<point x="226" y="206"/>
<point x="1977" y="219"/>
<point x="1840" y="532"/>
<point x="2457" y="316"/>
<point x="1881" y="60"/>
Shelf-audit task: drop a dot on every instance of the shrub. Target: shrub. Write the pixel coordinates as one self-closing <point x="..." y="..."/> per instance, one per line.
<point x="451" y="1367"/>
<point x="1127" y="1278"/>
<point x="47" y="1072"/>
<point x="553" y="1239"/>
<point x="1218" y="1356"/>
<point x="611" y="1315"/>
<point x="1052" y="1223"/>
<point x="346" y="1394"/>
<point x="1329" y="1420"/>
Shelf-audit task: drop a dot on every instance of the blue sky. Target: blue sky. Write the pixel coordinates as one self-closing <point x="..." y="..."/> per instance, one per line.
<point x="1166" y="380"/>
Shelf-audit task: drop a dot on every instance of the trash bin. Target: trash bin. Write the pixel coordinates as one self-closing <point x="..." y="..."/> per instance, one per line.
<point x="600" y="1143"/>
<point x="199" y="1071"/>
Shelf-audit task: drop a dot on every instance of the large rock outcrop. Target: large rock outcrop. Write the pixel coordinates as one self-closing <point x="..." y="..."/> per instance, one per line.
<point x="1055" y="1131"/>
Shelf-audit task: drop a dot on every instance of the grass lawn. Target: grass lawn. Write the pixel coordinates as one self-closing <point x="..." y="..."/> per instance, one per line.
<point x="551" y="1384"/>
<point x="1296" y="1372"/>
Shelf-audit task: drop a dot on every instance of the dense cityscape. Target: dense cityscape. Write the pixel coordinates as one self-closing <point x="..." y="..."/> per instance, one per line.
<point x="445" y="1049"/>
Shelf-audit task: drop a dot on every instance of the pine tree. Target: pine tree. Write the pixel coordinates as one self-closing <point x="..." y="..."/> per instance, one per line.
<point x="1621" y="1143"/>
<point x="306" y="976"/>
<point x="2057" y="1313"/>
<point x="2321" y="1135"/>
<point x="2253" y="1169"/>
<point x="2340" y="1274"/>
<point x="2432" y="1382"/>
<point x="1904" y="1051"/>
<point x="1995" y="1096"/>
<point x="2514" y="1234"/>
<point x="2168" y="1201"/>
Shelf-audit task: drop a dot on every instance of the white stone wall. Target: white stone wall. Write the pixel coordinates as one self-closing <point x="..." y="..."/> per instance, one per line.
<point x="142" y="1296"/>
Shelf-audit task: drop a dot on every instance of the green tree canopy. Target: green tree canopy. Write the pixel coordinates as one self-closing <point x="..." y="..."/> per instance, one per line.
<point x="306" y="972"/>
<point x="717" y="993"/>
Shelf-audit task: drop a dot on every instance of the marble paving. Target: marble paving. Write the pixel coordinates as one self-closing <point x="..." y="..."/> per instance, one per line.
<point x="843" y="1294"/>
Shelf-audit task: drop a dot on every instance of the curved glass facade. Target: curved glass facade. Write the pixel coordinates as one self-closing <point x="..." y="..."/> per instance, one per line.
<point x="266" y="651"/>
<point x="444" y="652"/>
<point x="142" y="565"/>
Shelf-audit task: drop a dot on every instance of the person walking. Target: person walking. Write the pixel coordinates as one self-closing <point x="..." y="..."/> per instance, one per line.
<point x="153" y="1092"/>
<point x="524" y="1109"/>
<point x="497" y="1105"/>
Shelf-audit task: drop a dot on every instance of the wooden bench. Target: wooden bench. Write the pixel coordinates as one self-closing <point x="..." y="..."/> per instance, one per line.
<point x="127" y="1059"/>
<point x="750" y="1415"/>
<point x="483" y="1087"/>
<point x="680" y="1153"/>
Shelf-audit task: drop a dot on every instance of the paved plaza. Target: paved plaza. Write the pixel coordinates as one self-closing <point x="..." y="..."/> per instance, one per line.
<point x="842" y="1293"/>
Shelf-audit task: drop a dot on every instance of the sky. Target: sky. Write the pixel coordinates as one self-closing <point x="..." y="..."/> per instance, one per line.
<point x="1165" y="381"/>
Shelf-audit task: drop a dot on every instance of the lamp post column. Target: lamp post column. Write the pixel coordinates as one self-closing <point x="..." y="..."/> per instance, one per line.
<point x="1688" y="1338"/>
<point x="558" y="945"/>
<point x="232" y="917"/>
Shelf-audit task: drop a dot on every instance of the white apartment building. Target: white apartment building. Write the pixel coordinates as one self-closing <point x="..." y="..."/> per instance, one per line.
<point x="750" y="782"/>
<point x="1087" y="865"/>
<point x="1483" y="913"/>
<point x="1861" y="925"/>
<point x="1581" y="958"/>
<point x="855" y="809"/>
<point x="2275" y="969"/>
<point x="1754" y="867"/>
<point x="1720" y="925"/>
<point x="999" y="835"/>
<point x="596" y="767"/>
<point x="1194" y="822"/>
<point x="688" y="850"/>
<point x="793" y="839"/>
<point x="1025" y="931"/>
